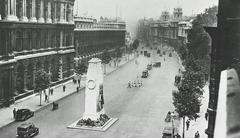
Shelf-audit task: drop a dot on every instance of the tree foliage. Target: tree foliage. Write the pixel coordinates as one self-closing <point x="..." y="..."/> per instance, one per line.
<point x="209" y="17"/>
<point x="186" y="101"/>
<point x="42" y="80"/>
<point x="199" y="41"/>
<point x="135" y="44"/>
<point x="80" y="69"/>
<point x="119" y="53"/>
<point x="106" y="58"/>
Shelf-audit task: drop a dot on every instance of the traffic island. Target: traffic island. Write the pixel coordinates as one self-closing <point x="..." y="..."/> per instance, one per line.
<point x="100" y="125"/>
<point x="94" y="116"/>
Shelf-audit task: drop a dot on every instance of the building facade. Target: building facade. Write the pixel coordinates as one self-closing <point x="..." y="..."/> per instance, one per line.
<point x="92" y="37"/>
<point x="34" y="35"/>
<point x="170" y="29"/>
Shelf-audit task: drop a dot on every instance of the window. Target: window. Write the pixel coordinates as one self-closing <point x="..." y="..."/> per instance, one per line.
<point x="19" y="38"/>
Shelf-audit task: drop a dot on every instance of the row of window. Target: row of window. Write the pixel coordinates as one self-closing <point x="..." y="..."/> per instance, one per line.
<point x="32" y="39"/>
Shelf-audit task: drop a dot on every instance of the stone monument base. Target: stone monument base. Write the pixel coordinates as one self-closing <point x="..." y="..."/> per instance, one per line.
<point x="103" y="128"/>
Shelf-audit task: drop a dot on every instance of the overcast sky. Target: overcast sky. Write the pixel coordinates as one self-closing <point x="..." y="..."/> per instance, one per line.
<point x="132" y="10"/>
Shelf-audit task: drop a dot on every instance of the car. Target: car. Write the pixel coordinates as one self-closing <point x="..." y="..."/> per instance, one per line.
<point x="23" y="114"/>
<point x="145" y="74"/>
<point x="27" y="130"/>
<point x="157" y="64"/>
<point x="177" y="80"/>
<point x="149" y="66"/>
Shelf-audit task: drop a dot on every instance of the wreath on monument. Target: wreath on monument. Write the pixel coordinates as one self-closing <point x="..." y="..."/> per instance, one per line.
<point x="90" y="123"/>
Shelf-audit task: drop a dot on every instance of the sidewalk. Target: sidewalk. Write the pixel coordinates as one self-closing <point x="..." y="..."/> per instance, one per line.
<point x="32" y="102"/>
<point x="201" y="124"/>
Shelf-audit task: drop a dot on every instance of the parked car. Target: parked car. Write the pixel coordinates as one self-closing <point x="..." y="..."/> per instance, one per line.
<point x="157" y="64"/>
<point x="23" y="114"/>
<point x="145" y="74"/>
<point x="149" y="66"/>
<point x="27" y="130"/>
<point x="177" y="80"/>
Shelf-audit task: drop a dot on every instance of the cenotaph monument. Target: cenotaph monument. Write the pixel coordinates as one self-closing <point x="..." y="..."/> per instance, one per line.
<point x="94" y="116"/>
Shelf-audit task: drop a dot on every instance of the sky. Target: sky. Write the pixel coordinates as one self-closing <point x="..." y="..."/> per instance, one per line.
<point x="132" y="10"/>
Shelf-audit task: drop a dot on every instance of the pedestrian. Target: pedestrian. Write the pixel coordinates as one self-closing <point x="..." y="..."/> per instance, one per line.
<point x="77" y="89"/>
<point x="129" y="84"/>
<point x="14" y="112"/>
<point x="197" y="135"/>
<point x="64" y="88"/>
<point x="206" y="116"/>
<point x="45" y="97"/>
<point x="188" y="124"/>
<point x="177" y="136"/>
<point x="51" y="91"/>
<point x="164" y="59"/>
<point x="78" y="82"/>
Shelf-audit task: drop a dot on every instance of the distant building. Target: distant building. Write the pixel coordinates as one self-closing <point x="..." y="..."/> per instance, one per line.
<point x="34" y="35"/>
<point x="183" y="30"/>
<point x="92" y="37"/>
<point x="170" y="29"/>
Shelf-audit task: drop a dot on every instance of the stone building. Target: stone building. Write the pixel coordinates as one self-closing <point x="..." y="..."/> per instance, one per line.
<point x="92" y="37"/>
<point x="170" y="29"/>
<point x="34" y="35"/>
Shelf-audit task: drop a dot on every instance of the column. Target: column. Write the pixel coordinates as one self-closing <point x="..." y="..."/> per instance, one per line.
<point x="61" y="68"/>
<point x="49" y="19"/>
<point x="23" y="17"/>
<point x="25" y="77"/>
<point x="62" y="13"/>
<point x="70" y="14"/>
<point x="41" y="12"/>
<point x="55" y="12"/>
<point x="10" y="10"/>
<point x="34" y="75"/>
<point x="33" y="11"/>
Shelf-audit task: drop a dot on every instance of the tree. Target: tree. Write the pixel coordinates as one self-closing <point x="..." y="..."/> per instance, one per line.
<point x="42" y="82"/>
<point x="79" y="70"/>
<point x="106" y="58"/>
<point x="186" y="103"/>
<point x="135" y="44"/>
<point x="199" y="41"/>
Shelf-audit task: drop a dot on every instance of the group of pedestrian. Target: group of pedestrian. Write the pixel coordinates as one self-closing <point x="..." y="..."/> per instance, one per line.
<point x="76" y="81"/>
<point x="197" y="135"/>
<point x="135" y="84"/>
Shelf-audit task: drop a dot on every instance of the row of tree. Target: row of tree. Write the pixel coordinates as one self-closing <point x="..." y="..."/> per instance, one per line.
<point x="196" y="60"/>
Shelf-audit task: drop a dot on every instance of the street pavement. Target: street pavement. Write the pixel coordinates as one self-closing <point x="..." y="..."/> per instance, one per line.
<point x="141" y="111"/>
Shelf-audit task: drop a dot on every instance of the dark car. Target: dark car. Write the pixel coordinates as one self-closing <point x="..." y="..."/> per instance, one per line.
<point x="157" y="64"/>
<point x="149" y="66"/>
<point x="177" y="80"/>
<point x="145" y="74"/>
<point x="27" y="130"/>
<point x="23" y="114"/>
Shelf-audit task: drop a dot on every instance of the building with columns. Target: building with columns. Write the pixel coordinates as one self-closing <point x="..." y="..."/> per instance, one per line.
<point x="34" y="35"/>
<point x="91" y="38"/>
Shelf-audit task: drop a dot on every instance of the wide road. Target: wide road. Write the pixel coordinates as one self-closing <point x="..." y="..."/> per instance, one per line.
<point x="141" y="111"/>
